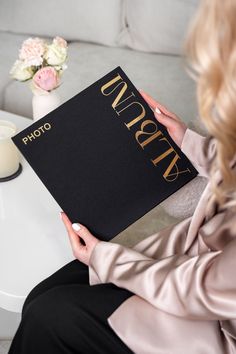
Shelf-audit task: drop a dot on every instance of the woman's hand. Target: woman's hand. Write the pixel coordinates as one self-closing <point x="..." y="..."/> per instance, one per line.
<point x="76" y="232"/>
<point x="175" y="127"/>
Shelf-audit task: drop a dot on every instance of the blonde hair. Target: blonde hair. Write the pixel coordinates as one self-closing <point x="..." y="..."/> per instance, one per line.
<point x="210" y="48"/>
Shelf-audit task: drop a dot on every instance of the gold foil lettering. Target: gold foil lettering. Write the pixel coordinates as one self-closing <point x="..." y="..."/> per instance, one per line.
<point x="25" y="139"/>
<point x="138" y="118"/>
<point x="31" y="136"/>
<point x="47" y="126"/>
<point x="36" y="133"/>
<point x="41" y="128"/>
<point x="123" y="105"/>
<point x="167" y="173"/>
<point x="124" y="87"/>
<point x="109" y="83"/>
<point x="153" y="136"/>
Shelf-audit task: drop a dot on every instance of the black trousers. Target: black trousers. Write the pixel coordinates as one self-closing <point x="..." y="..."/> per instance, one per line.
<point x="64" y="314"/>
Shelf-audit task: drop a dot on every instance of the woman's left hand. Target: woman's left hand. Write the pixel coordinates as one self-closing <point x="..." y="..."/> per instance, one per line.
<point x="76" y="232"/>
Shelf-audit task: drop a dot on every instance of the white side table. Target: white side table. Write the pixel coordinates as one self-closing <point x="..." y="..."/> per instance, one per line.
<point x="33" y="240"/>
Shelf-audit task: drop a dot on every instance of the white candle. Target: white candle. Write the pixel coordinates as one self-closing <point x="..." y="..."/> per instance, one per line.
<point x="9" y="154"/>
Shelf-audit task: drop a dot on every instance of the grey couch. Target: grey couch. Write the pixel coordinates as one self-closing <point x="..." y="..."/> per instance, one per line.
<point x="108" y="33"/>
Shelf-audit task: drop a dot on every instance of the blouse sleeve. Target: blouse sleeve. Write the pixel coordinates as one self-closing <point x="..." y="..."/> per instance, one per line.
<point x="198" y="287"/>
<point x="193" y="147"/>
<point x="166" y="242"/>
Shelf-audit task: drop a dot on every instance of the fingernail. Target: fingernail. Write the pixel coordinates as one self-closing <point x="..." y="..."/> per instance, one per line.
<point x="76" y="226"/>
<point x="61" y="214"/>
<point x="157" y="110"/>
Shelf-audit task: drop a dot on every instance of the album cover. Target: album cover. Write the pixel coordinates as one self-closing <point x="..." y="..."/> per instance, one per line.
<point x="104" y="157"/>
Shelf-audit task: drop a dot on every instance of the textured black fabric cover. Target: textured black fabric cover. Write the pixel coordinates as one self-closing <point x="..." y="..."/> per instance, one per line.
<point x="93" y="166"/>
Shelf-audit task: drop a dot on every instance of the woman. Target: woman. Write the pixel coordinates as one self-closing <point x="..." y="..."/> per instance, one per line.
<point x="175" y="291"/>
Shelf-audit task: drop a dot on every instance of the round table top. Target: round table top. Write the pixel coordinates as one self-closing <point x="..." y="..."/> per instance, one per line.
<point x="33" y="239"/>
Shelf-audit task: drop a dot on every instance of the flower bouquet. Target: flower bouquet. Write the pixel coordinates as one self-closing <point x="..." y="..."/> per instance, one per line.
<point x="42" y="64"/>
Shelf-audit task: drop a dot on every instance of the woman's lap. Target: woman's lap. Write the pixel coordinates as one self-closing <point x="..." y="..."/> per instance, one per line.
<point x="73" y="272"/>
<point x="67" y="315"/>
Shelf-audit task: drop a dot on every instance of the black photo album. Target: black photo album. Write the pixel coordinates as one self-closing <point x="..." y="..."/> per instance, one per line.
<point x="104" y="157"/>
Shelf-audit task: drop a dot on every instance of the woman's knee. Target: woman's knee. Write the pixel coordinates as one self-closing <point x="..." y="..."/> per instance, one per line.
<point x="54" y="304"/>
<point x="54" y="314"/>
<point x="36" y="291"/>
<point x="67" y="274"/>
<point x="43" y="315"/>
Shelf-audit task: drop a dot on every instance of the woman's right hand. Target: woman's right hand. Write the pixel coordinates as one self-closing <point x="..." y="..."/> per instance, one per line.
<point x="175" y="127"/>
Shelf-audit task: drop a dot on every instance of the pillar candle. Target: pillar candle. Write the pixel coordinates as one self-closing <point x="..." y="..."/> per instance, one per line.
<point x="9" y="154"/>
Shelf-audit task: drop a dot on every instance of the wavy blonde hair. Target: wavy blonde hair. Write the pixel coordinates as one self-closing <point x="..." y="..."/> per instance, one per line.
<point x="210" y="49"/>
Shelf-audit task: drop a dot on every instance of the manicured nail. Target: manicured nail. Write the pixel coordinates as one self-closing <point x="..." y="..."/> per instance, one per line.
<point x="157" y="110"/>
<point x="76" y="227"/>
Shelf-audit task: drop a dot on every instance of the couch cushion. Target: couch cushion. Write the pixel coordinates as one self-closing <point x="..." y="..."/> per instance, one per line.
<point x="90" y="20"/>
<point x="157" y="25"/>
<point x="10" y="44"/>
<point x="162" y="76"/>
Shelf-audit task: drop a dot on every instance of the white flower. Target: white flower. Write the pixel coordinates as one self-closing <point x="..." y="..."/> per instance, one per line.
<point x="59" y="41"/>
<point x="32" y="51"/>
<point x="55" y="54"/>
<point x="20" y="72"/>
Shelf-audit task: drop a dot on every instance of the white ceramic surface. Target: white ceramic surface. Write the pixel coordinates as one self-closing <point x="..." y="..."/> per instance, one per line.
<point x="33" y="240"/>
<point x="9" y="155"/>
<point x="42" y="104"/>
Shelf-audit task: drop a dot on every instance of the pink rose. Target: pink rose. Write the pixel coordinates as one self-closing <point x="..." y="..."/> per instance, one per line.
<point x="32" y="51"/>
<point x="46" y="78"/>
<point x="60" y="42"/>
